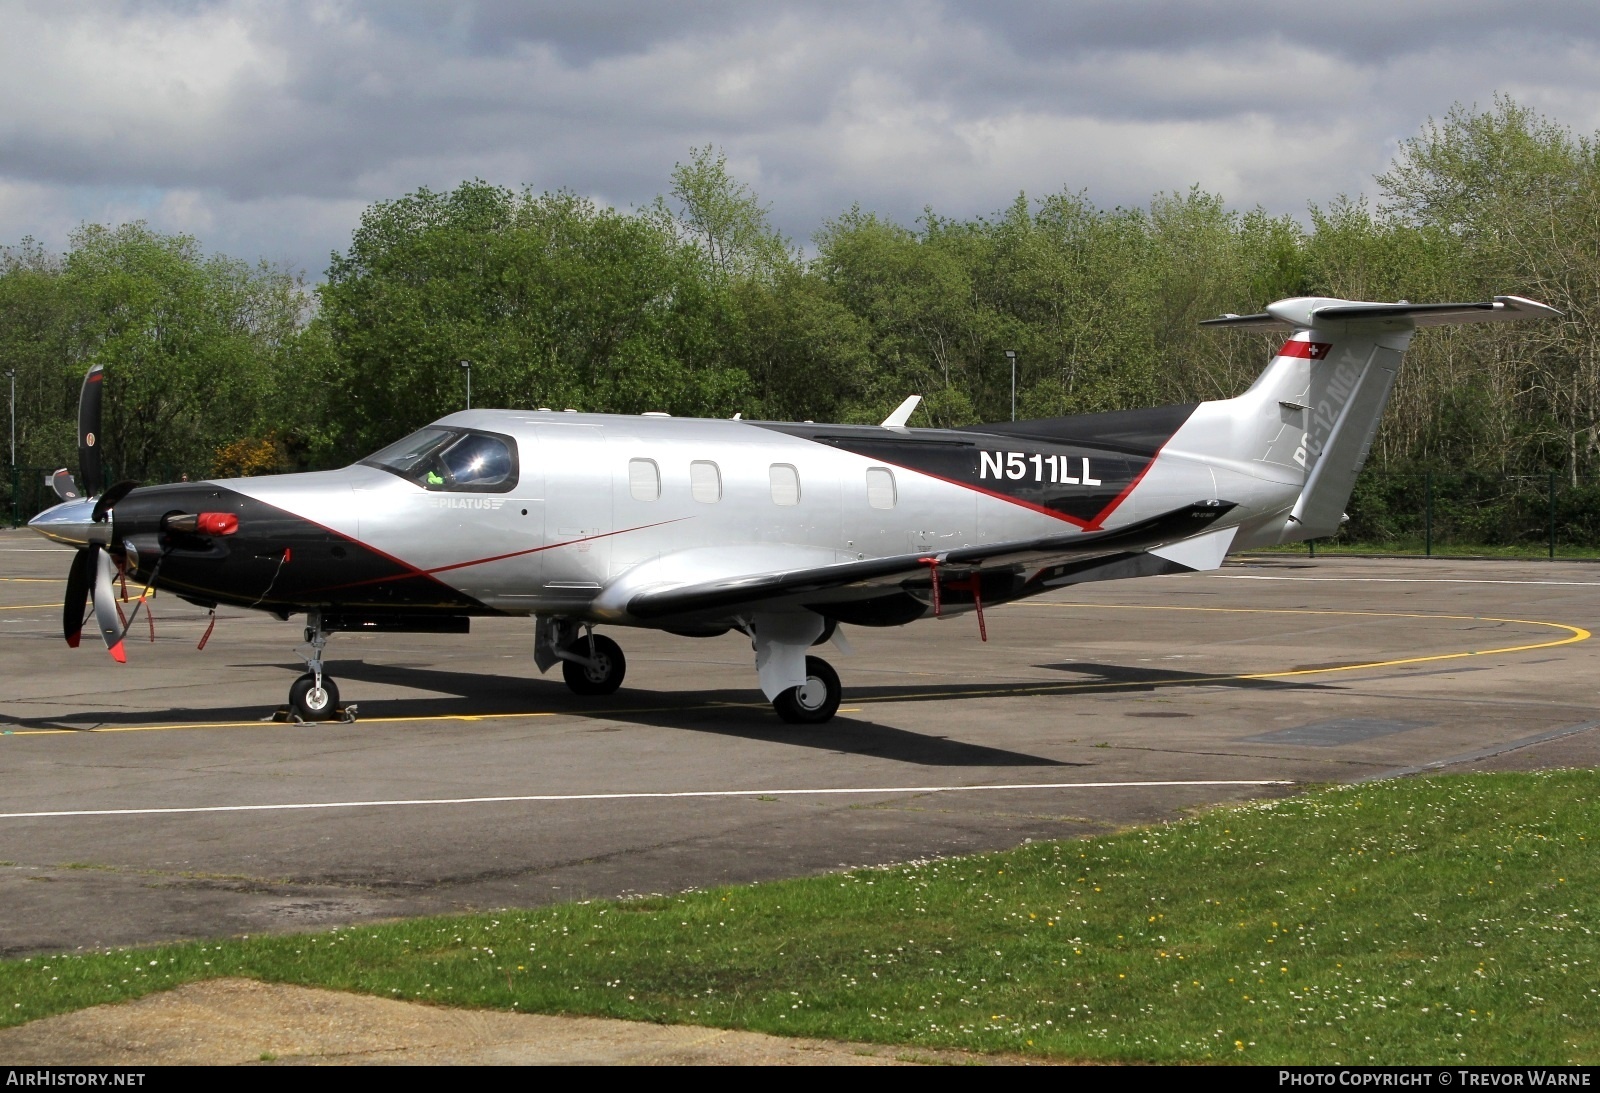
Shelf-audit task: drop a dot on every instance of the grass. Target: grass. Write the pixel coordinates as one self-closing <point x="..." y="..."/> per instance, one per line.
<point x="1421" y="921"/>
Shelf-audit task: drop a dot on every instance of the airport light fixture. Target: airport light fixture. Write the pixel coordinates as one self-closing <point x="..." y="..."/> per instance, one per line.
<point x="1011" y="355"/>
<point x="466" y="366"/>
<point x="11" y="374"/>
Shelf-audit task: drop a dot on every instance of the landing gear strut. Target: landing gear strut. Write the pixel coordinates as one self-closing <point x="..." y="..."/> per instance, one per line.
<point x="314" y="696"/>
<point x="814" y="702"/>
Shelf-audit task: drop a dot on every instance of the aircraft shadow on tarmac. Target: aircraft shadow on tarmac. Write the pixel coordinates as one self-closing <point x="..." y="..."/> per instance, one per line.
<point x="731" y="712"/>
<point x="1107" y="678"/>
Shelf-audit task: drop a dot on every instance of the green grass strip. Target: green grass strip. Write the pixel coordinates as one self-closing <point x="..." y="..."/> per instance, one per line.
<point x="1431" y="920"/>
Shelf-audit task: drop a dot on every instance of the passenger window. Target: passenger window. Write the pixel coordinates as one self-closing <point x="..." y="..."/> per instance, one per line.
<point x="880" y="487"/>
<point x="705" y="481"/>
<point x="785" y="484"/>
<point x="644" y="479"/>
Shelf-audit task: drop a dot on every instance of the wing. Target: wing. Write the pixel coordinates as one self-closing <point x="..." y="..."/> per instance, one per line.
<point x="848" y="580"/>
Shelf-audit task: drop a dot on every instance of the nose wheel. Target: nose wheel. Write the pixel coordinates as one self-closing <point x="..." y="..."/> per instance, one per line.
<point x="814" y="701"/>
<point x="312" y="701"/>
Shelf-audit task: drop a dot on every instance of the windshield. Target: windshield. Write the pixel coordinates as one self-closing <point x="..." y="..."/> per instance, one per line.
<point x="452" y="460"/>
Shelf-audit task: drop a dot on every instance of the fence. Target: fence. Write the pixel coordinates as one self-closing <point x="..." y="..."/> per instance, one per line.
<point x="1472" y="513"/>
<point x="25" y="492"/>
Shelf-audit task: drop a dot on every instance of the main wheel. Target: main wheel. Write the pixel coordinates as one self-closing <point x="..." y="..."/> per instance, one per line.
<point x="604" y="676"/>
<point x="814" y="702"/>
<point x="311" y="702"/>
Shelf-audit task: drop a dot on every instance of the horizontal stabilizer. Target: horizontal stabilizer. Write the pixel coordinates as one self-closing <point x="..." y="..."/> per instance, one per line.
<point x="1305" y="312"/>
<point x="816" y="583"/>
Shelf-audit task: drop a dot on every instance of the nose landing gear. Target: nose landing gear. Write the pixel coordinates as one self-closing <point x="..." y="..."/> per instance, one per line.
<point x="314" y="696"/>
<point x="313" y="700"/>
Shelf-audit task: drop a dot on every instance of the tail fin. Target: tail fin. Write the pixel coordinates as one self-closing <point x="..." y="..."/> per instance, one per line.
<point x="1334" y="376"/>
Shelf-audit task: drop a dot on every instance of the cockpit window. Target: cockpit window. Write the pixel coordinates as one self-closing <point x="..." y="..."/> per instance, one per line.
<point x="448" y="460"/>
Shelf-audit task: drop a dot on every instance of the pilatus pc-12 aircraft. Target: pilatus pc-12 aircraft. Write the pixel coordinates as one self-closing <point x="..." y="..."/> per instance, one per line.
<point x="780" y="530"/>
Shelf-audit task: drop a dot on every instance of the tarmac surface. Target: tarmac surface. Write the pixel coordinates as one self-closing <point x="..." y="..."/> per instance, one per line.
<point x="149" y="802"/>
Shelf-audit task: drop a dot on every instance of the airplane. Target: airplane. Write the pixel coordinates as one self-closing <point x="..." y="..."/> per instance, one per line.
<point x="781" y="530"/>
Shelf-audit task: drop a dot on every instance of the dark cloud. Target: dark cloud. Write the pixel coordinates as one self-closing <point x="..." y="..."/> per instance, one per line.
<point x="265" y="129"/>
<point x="1360" y="32"/>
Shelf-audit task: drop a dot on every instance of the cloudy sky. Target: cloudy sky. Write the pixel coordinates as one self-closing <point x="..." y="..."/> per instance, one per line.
<point x="264" y="128"/>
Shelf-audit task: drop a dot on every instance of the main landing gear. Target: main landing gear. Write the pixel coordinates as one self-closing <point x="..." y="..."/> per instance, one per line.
<point x="816" y="701"/>
<point x="593" y="665"/>
<point x="803" y="690"/>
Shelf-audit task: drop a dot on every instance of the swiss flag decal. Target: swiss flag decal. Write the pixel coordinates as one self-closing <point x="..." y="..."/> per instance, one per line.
<point x="1315" y="351"/>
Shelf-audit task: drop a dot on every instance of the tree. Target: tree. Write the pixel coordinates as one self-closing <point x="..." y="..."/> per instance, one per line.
<point x="193" y="346"/>
<point x="724" y="217"/>
<point x="556" y="301"/>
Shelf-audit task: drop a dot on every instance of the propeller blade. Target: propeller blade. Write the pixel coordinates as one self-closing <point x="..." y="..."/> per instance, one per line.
<point x="75" y="606"/>
<point x="109" y="499"/>
<point x="105" y="606"/>
<point x="63" y="485"/>
<point x="89" y="430"/>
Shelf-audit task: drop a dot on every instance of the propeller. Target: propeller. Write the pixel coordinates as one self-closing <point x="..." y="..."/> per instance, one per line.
<point x="83" y="521"/>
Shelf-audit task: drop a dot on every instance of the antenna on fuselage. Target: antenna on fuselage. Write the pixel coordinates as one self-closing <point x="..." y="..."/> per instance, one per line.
<point x="902" y="413"/>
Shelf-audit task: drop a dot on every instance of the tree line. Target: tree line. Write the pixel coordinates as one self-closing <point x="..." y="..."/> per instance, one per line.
<point x="696" y="305"/>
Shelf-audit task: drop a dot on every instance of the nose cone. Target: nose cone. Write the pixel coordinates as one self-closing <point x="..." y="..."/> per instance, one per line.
<point x="72" y="523"/>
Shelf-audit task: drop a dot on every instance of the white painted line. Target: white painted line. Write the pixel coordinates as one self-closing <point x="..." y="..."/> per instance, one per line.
<point x="1398" y="580"/>
<point x="616" y="797"/>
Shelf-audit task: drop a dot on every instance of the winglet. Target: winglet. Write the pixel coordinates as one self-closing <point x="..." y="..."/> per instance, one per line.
<point x="902" y="413"/>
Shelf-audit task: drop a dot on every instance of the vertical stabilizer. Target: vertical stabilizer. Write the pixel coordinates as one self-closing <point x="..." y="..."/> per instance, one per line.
<point x="1351" y="351"/>
<point x="1350" y="386"/>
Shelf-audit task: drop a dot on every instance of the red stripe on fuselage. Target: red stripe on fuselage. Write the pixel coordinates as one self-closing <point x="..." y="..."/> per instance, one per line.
<point x="1093" y="524"/>
<point x="430" y="573"/>
<point x="1073" y="520"/>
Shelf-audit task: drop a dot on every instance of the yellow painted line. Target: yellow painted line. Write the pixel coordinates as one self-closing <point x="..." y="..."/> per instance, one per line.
<point x="282" y="724"/>
<point x="35" y="580"/>
<point x="29" y="606"/>
<point x="1574" y="634"/>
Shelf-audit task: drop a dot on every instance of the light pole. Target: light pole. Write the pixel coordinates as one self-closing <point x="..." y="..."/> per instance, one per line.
<point x="466" y="366"/>
<point x="11" y="374"/>
<point x="1011" y="354"/>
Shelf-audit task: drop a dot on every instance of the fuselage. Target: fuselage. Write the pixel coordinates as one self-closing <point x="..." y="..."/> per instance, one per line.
<point x="590" y="504"/>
